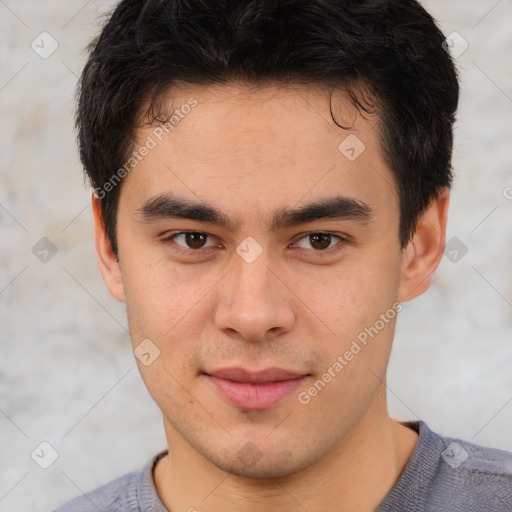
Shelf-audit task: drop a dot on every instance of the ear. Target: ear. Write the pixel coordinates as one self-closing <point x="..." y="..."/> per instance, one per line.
<point x="422" y="255"/>
<point x="107" y="261"/>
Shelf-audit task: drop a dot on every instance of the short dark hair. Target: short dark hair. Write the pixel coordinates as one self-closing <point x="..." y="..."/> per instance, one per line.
<point x="392" y="49"/>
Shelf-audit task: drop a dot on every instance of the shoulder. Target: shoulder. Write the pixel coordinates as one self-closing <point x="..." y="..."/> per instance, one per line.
<point x="104" y="497"/>
<point x="448" y="473"/>
<point x="120" y="495"/>
<point x="480" y="477"/>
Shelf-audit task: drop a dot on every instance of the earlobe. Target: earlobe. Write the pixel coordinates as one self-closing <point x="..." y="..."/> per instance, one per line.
<point x="423" y="254"/>
<point x="107" y="261"/>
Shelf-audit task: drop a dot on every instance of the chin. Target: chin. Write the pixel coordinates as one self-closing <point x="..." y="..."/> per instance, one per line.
<point x="263" y="471"/>
<point x="250" y="462"/>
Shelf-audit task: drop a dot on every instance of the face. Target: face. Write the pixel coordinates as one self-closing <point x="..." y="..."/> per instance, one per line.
<point x="264" y="288"/>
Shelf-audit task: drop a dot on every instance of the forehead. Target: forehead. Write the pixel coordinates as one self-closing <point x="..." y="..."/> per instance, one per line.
<point x="238" y="140"/>
<point x="288" y="111"/>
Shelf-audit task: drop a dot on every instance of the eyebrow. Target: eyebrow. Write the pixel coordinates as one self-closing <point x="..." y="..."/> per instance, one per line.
<point x="168" y="205"/>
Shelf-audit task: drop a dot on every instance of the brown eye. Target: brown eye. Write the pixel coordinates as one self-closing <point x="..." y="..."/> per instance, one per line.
<point x="318" y="241"/>
<point x="195" y="240"/>
<point x="192" y="240"/>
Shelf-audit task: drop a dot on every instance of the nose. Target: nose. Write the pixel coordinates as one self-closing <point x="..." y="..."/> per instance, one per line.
<point x="254" y="302"/>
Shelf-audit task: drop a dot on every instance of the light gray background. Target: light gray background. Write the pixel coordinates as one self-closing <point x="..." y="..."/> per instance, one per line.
<point x="68" y="375"/>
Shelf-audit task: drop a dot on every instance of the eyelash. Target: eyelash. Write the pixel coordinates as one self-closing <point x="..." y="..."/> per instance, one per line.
<point x="331" y="250"/>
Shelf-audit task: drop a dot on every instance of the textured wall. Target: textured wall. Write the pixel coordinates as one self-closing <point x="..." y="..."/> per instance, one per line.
<point x="68" y="375"/>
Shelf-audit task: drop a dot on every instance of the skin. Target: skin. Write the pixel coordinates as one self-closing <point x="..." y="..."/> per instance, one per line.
<point x="249" y="153"/>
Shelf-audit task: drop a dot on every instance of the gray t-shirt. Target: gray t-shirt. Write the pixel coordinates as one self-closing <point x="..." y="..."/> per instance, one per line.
<point x="442" y="475"/>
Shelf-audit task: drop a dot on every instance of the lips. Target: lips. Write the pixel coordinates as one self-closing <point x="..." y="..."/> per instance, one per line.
<point x="264" y="376"/>
<point x="256" y="390"/>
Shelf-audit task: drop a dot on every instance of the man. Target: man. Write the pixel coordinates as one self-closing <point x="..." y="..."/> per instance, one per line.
<point x="271" y="182"/>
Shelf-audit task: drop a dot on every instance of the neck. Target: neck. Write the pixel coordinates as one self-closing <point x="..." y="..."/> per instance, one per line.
<point x="357" y="475"/>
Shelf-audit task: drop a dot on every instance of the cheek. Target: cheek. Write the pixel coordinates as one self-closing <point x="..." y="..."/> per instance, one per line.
<point x="160" y="293"/>
<point x="351" y="296"/>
